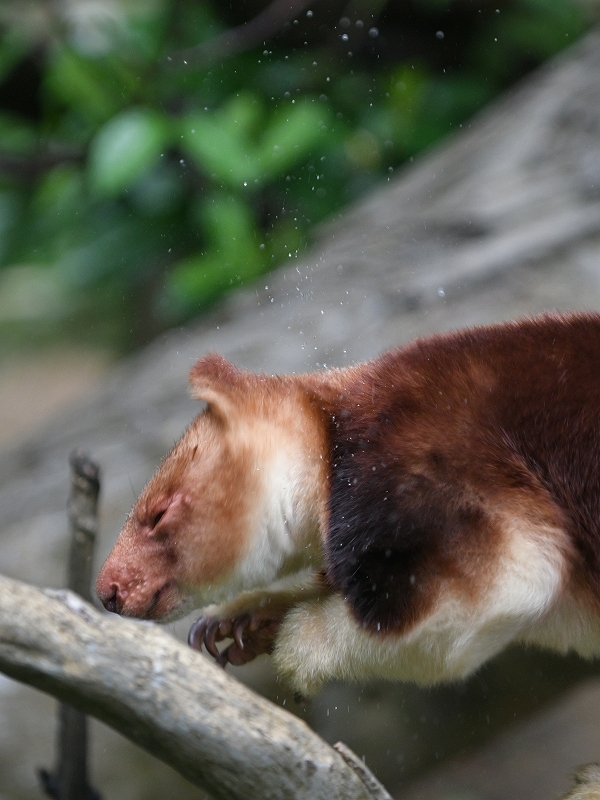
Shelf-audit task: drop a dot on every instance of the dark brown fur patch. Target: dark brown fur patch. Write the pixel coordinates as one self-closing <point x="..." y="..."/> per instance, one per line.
<point x="429" y="445"/>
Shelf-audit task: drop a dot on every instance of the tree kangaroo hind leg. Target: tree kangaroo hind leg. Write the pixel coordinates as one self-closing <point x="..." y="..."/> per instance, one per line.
<point x="323" y="639"/>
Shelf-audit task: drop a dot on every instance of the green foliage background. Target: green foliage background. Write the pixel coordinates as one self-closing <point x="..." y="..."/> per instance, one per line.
<point x="140" y="180"/>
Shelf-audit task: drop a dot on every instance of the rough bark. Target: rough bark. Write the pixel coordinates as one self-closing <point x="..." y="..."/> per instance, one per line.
<point x="167" y="698"/>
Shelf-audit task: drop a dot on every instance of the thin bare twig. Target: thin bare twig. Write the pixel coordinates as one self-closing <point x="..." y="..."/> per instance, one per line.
<point x="70" y="779"/>
<point x="264" y="26"/>
<point x="31" y="167"/>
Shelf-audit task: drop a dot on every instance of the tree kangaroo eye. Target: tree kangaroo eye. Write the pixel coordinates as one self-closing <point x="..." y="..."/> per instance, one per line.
<point x="157" y="518"/>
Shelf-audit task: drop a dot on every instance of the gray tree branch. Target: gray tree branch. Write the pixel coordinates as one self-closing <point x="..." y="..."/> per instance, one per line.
<point x="168" y="699"/>
<point x="267" y="24"/>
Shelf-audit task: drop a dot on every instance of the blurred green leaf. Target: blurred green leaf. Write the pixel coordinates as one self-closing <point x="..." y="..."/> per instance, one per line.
<point x="84" y="84"/>
<point x="10" y="207"/>
<point x="218" y="150"/>
<point x="222" y="144"/>
<point x="13" y="47"/>
<point x="291" y="136"/>
<point x="233" y="254"/>
<point x="540" y="29"/>
<point x="242" y="114"/>
<point x="125" y="148"/>
<point x="60" y="191"/>
<point x="159" y="191"/>
<point x="16" y="135"/>
<point x="145" y="30"/>
<point x="229" y="223"/>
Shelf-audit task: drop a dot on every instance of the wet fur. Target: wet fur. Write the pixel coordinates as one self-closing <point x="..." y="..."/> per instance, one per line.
<point x="443" y="499"/>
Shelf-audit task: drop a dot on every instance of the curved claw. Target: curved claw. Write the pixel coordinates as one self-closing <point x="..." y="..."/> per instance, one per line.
<point x="209" y="638"/>
<point x="222" y="659"/>
<point x="238" y="630"/>
<point x="197" y="632"/>
<point x="301" y="700"/>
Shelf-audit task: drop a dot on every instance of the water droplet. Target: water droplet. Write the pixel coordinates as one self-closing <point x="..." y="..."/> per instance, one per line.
<point x="373" y="33"/>
<point x="441" y="292"/>
<point x="439" y="35"/>
<point x="309" y="13"/>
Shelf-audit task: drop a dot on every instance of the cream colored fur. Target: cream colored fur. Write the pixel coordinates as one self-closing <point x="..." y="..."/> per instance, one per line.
<point x="286" y="534"/>
<point x="588" y="784"/>
<point x="320" y="640"/>
<point x="283" y="536"/>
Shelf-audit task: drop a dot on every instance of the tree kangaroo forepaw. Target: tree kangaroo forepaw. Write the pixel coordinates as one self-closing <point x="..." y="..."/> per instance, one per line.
<point x="252" y="633"/>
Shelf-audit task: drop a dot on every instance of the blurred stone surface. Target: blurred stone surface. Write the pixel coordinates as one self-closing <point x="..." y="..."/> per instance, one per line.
<point x="533" y="761"/>
<point x="37" y="386"/>
<point x="500" y="221"/>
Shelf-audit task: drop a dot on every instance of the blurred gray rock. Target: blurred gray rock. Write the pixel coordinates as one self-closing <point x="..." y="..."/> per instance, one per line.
<point x="533" y="761"/>
<point x="502" y="220"/>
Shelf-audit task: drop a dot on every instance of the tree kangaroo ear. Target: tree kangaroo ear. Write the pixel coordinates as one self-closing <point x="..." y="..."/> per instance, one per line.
<point x="216" y="381"/>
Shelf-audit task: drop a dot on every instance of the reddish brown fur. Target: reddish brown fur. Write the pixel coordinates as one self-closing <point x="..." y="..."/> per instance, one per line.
<point x="214" y="471"/>
<point x="157" y="526"/>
